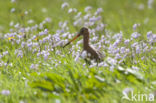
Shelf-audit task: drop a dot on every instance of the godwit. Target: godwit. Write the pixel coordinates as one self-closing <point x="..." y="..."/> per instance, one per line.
<point x="91" y="52"/>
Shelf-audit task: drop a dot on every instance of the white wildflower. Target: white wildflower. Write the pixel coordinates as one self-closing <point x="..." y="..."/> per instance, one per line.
<point x="64" y="5"/>
<point x="88" y="8"/>
<point x="84" y="54"/>
<point x="5" y="92"/>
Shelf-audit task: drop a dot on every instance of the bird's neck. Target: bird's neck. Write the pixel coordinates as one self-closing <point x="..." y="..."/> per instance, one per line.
<point x="85" y="41"/>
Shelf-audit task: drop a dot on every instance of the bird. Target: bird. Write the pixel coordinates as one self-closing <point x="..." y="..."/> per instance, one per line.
<point x="93" y="54"/>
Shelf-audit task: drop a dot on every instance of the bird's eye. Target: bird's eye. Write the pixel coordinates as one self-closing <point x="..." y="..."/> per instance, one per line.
<point x="81" y="31"/>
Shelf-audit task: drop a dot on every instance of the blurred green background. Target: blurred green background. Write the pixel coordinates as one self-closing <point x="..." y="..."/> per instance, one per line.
<point x="118" y="15"/>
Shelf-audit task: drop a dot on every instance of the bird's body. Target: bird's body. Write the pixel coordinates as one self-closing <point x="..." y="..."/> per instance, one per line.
<point x="91" y="52"/>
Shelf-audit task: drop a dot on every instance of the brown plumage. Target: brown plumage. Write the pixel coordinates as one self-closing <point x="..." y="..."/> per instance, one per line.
<point x="94" y="54"/>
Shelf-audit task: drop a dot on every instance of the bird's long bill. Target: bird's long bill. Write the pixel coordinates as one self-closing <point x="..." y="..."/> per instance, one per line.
<point x="72" y="40"/>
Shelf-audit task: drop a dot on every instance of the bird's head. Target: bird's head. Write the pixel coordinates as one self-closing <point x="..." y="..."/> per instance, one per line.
<point x="83" y="31"/>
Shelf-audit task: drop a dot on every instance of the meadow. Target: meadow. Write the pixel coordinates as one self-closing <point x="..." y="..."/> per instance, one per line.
<point x="35" y="68"/>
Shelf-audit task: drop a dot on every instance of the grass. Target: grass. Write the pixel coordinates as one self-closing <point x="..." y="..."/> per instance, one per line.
<point x="70" y="81"/>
